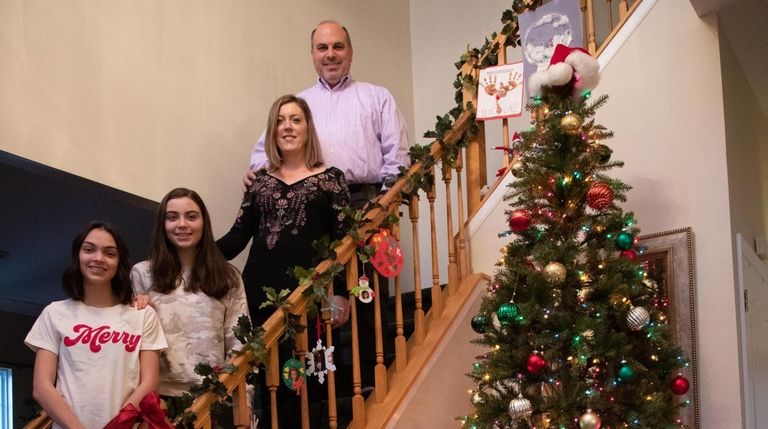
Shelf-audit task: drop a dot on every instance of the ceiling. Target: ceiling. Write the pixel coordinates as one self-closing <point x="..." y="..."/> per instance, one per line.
<point x="41" y="211"/>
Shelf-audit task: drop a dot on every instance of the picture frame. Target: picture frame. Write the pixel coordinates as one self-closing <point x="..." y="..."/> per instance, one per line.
<point x="668" y="259"/>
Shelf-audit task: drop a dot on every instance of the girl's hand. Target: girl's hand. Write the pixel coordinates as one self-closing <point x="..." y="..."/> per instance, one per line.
<point x="140" y="301"/>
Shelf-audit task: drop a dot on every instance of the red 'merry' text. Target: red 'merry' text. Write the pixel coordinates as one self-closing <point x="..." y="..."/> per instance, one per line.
<point x="95" y="337"/>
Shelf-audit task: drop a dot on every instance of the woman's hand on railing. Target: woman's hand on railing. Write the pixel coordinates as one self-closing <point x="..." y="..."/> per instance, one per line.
<point x="339" y="308"/>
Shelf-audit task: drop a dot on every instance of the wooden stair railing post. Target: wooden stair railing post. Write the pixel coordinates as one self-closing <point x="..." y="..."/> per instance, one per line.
<point x="241" y="410"/>
<point x="273" y="381"/>
<point x="301" y="348"/>
<point x="462" y="245"/>
<point x="437" y="296"/>
<point x="453" y="268"/>
<point x="591" y="37"/>
<point x="380" y="371"/>
<point x="418" y="311"/>
<point x="623" y="11"/>
<point x="330" y="376"/>
<point x="502" y="59"/>
<point x="476" y="162"/>
<point x="358" y="402"/>
<point x="401" y="350"/>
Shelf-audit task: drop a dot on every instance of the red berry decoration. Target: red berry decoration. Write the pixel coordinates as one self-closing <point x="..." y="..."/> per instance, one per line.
<point x="599" y="196"/>
<point x="680" y="385"/>
<point x="519" y="220"/>
<point x="629" y="254"/>
<point x="535" y="363"/>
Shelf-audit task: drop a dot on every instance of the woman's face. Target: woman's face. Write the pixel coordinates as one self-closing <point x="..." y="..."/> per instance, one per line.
<point x="98" y="257"/>
<point x="183" y="223"/>
<point x="291" y="129"/>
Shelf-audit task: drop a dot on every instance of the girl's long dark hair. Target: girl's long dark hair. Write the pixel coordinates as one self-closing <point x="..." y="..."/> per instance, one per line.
<point x="72" y="279"/>
<point x="211" y="273"/>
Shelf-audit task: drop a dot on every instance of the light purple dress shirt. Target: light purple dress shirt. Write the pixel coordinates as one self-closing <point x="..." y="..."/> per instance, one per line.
<point x="361" y="130"/>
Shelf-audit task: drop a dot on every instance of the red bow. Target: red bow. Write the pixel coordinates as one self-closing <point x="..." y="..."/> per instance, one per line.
<point x="149" y="411"/>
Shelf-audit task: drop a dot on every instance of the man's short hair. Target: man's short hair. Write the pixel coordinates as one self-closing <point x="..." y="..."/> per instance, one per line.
<point x="312" y="36"/>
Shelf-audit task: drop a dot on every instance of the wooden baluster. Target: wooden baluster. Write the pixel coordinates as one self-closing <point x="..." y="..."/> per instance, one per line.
<point x="301" y="348"/>
<point x="477" y="175"/>
<point x="436" y="292"/>
<point x="358" y="402"/>
<point x="418" y="312"/>
<point x="330" y="376"/>
<point x="591" y="42"/>
<point x="401" y="351"/>
<point x="502" y="59"/>
<point x="273" y="381"/>
<point x="453" y="268"/>
<point x="623" y="11"/>
<point x="241" y="411"/>
<point x="381" y="370"/>
<point x="463" y="251"/>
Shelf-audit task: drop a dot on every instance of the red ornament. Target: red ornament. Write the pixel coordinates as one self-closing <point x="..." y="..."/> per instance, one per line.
<point x="599" y="196"/>
<point x="387" y="257"/>
<point x="679" y="385"/>
<point x="629" y="254"/>
<point x="535" y="363"/>
<point x="519" y="220"/>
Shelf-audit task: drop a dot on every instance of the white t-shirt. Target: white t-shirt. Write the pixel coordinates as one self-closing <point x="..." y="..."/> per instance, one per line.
<point x="98" y="351"/>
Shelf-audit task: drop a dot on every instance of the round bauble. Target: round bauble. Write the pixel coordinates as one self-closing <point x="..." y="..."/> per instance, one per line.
<point x="535" y="363"/>
<point x="520" y="408"/>
<point x="602" y="152"/>
<point x="554" y="273"/>
<point x="519" y="220"/>
<point x="571" y="124"/>
<point x="590" y="420"/>
<point x="679" y="385"/>
<point x="517" y="167"/>
<point x="637" y="318"/>
<point x="507" y="312"/>
<point x="629" y="254"/>
<point x="479" y="323"/>
<point x="625" y="373"/>
<point x="599" y="196"/>
<point x="624" y="241"/>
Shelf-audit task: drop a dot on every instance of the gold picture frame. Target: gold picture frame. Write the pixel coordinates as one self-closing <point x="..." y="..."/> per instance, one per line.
<point x="668" y="257"/>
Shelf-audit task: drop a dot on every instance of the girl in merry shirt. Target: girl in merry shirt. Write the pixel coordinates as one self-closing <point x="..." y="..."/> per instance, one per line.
<point x="95" y="354"/>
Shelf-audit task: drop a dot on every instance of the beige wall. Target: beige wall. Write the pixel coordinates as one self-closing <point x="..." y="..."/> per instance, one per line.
<point x="145" y="96"/>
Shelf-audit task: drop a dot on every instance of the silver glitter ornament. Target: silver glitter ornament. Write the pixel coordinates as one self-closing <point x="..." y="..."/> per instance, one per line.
<point x="637" y="318"/>
<point x="520" y="408"/>
<point x="590" y="420"/>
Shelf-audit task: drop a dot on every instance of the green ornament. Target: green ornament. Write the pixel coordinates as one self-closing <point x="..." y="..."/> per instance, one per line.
<point x="626" y="373"/>
<point x="507" y="313"/>
<point x="576" y="341"/>
<point x="479" y="323"/>
<point x="624" y="241"/>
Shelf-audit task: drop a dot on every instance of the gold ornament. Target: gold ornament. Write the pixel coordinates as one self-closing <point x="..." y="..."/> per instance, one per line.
<point x="584" y="293"/>
<point x="571" y="124"/>
<point x="554" y="273"/>
<point x="517" y="167"/>
<point x="590" y="420"/>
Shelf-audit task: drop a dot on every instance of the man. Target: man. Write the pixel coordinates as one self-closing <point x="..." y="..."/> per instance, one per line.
<point x="361" y="130"/>
<point x="363" y="133"/>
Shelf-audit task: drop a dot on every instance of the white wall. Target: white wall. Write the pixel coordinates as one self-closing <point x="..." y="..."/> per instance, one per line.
<point x="145" y="96"/>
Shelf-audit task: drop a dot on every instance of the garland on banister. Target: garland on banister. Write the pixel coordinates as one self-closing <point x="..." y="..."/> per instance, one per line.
<point x="478" y="58"/>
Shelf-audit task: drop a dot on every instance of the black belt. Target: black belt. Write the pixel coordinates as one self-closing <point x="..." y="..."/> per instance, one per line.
<point x="363" y="187"/>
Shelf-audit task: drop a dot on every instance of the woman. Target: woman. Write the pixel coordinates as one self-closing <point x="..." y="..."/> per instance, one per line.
<point x="293" y="202"/>
<point x="93" y="334"/>
<point x="196" y="293"/>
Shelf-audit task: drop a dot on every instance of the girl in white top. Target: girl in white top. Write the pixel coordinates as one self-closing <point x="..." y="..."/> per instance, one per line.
<point x="197" y="294"/>
<point x="94" y="353"/>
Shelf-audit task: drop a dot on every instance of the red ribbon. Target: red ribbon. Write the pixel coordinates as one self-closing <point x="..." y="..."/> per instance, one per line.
<point x="149" y="411"/>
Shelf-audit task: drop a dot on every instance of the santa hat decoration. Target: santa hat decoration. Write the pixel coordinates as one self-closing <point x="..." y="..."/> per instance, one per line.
<point x="567" y="63"/>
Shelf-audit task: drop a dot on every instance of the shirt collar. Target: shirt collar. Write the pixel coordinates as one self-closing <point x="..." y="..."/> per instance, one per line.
<point x="346" y="80"/>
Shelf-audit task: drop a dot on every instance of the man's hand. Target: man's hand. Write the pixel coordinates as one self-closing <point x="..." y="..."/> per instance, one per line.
<point x="248" y="179"/>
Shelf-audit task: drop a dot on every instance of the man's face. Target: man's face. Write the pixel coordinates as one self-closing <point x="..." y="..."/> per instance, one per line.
<point x="331" y="53"/>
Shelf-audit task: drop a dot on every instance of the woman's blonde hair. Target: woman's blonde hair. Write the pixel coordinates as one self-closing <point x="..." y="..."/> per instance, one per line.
<point x="312" y="154"/>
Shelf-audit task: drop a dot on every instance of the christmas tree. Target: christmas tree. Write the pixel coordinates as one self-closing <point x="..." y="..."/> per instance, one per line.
<point x="576" y="333"/>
